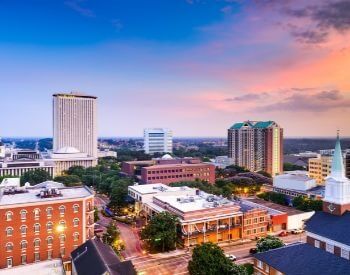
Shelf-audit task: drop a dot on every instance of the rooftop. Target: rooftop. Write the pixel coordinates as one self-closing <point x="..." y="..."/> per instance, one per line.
<point x="294" y="177"/>
<point x="179" y="165"/>
<point x="277" y="207"/>
<point x="32" y="195"/>
<point x="74" y="94"/>
<point x="94" y="257"/>
<point x="52" y="267"/>
<point x="298" y="259"/>
<point x="253" y="124"/>
<point x="330" y="226"/>
<point x="155" y="188"/>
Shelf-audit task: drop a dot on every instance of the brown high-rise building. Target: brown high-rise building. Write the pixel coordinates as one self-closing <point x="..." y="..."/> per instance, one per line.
<point x="257" y="146"/>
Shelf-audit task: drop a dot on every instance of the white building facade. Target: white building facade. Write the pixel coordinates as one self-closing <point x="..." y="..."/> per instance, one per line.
<point x="158" y="140"/>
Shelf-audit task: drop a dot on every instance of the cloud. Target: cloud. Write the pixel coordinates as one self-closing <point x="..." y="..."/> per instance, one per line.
<point x="117" y="25"/>
<point x="247" y="97"/>
<point x="76" y="6"/>
<point x="318" y="102"/>
<point x="310" y="36"/>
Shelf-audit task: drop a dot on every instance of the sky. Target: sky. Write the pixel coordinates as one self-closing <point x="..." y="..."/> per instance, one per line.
<point x="194" y="66"/>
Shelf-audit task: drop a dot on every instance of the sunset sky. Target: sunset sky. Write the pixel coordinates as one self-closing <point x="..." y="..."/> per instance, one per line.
<point x="195" y="66"/>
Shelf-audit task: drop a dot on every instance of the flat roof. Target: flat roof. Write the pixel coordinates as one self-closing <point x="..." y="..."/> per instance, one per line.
<point x="274" y="206"/>
<point x="195" y="202"/>
<point x="175" y="165"/>
<point x="52" y="267"/>
<point x="155" y="188"/>
<point x="31" y="195"/>
<point x="74" y="94"/>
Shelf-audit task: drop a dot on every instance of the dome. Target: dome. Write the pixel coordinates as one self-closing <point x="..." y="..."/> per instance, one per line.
<point x="67" y="150"/>
<point x="167" y="156"/>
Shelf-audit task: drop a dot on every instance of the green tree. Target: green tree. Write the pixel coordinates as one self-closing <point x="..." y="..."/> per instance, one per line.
<point x="160" y="233"/>
<point x="209" y="258"/>
<point x="68" y="180"/>
<point x="76" y="170"/>
<point x="112" y="238"/>
<point x="269" y="242"/>
<point x="96" y="216"/>
<point x="305" y="204"/>
<point x="292" y="167"/>
<point x="35" y="176"/>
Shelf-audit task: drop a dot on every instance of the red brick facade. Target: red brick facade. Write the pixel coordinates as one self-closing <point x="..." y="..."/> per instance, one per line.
<point x="43" y="230"/>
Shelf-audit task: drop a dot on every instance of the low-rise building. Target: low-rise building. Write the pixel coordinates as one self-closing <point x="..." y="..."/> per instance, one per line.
<point x="52" y="267"/>
<point x="320" y="168"/>
<point x="43" y="222"/>
<point x="203" y="217"/>
<point x="222" y="161"/>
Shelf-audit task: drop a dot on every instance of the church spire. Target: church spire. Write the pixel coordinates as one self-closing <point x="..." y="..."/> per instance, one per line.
<point x="338" y="170"/>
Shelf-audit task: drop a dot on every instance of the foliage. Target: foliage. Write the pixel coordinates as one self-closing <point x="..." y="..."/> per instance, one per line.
<point x="269" y="242"/>
<point x="249" y="268"/>
<point x="258" y="178"/>
<point x="160" y="233"/>
<point x="230" y="171"/>
<point x="96" y="216"/>
<point x="305" y="204"/>
<point x="68" y="180"/>
<point x="35" y="176"/>
<point x="209" y="258"/>
<point x="274" y="197"/>
<point x="128" y="155"/>
<point x="292" y="167"/>
<point x="265" y="174"/>
<point x="204" y="150"/>
<point x="112" y="238"/>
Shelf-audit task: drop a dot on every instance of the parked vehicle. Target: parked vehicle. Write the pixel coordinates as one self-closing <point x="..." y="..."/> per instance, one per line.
<point x="283" y="234"/>
<point x="231" y="257"/>
<point x="253" y="250"/>
<point x="297" y="231"/>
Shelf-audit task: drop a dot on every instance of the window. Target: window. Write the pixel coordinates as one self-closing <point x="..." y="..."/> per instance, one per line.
<point x="76" y="236"/>
<point x="36" y="228"/>
<point x="49" y="211"/>
<point x="267" y="268"/>
<point x="37" y="242"/>
<point x="76" y="222"/>
<point x="62" y="210"/>
<point x="36" y="256"/>
<point x="49" y="240"/>
<point x="23" y="259"/>
<point x="260" y="264"/>
<point x="344" y="254"/>
<point x="261" y="219"/>
<point x="317" y="243"/>
<point x="36" y="213"/>
<point x="330" y="248"/>
<point x="63" y="223"/>
<point x="23" y="229"/>
<point x="75" y="208"/>
<point x="23" y="244"/>
<point x="9" y="216"/>
<point x="62" y="238"/>
<point x="9" y="262"/>
<point x="49" y="226"/>
<point x="49" y="254"/>
<point x="23" y="214"/>
<point x="9" y="247"/>
<point x="9" y="231"/>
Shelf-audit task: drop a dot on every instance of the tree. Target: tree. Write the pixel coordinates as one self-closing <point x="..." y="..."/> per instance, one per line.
<point x="96" y="216"/>
<point x="35" y="176"/>
<point x="160" y="233"/>
<point x="209" y="258"/>
<point x="274" y="197"/>
<point x="112" y="238"/>
<point x="305" y="204"/>
<point x="287" y="166"/>
<point x="269" y="242"/>
<point x="76" y="170"/>
<point x="68" y="180"/>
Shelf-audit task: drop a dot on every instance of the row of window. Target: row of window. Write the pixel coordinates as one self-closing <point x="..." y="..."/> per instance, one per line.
<point x="36" y="212"/>
<point x="330" y="248"/>
<point x="49" y="227"/>
<point x="256" y="230"/>
<point x="179" y="176"/>
<point x="255" y="220"/>
<point x="49" y="241"/>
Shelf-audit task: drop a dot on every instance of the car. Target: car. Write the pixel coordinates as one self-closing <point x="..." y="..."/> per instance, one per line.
<point x="253" y="250"/>
<point x="283" y="234"/>
<point x="297" y="231"/>
<point x="231" y="257"/>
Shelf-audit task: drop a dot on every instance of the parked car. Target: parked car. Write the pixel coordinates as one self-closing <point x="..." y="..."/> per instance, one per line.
<point x="297" y="231"/>
<point x="231" y="257"/>
<point x="283" y="234"/>
<point x="253" y="250"/>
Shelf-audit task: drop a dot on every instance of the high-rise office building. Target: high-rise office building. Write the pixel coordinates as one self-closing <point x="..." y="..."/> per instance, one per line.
<point x="75" y="123"/>
<point x="347" y="164"/>
<point x="158" y="140"/>
<point x="257" y="146"/>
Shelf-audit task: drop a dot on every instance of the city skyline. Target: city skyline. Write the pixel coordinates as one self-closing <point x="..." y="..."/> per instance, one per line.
<point x="193" y="66"/>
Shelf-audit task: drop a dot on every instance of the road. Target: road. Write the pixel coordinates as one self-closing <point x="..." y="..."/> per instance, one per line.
<point x="177" y="264"/>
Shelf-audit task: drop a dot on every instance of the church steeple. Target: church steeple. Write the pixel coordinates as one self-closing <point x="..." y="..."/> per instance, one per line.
<point x="338" y="170"/>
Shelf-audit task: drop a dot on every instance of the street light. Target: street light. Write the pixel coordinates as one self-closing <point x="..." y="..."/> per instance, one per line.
<point x="60" y="228"/>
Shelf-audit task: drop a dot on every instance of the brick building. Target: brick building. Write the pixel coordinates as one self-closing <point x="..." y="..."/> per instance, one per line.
<point x="43" y="222"/>
<point x="167" y="170"/>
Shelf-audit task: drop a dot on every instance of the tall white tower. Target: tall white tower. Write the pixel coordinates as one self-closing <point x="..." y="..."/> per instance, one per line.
<point x="158" y="140"/>
<point x="337" y="195"/>
<point x="75" y="123"/>
<point x="2" y="149"/>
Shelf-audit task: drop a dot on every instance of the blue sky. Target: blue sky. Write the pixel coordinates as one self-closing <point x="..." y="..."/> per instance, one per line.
<point x="195" y="66"/>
